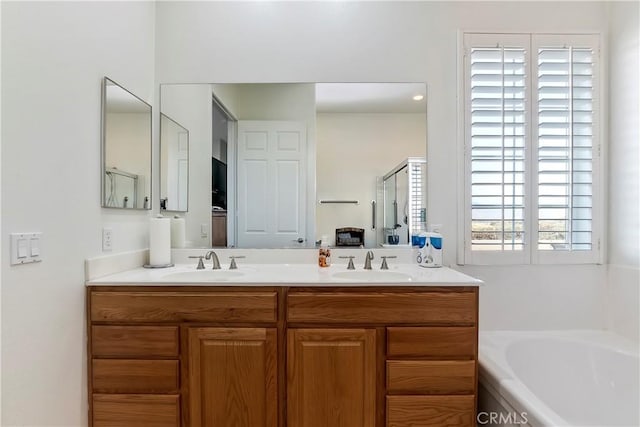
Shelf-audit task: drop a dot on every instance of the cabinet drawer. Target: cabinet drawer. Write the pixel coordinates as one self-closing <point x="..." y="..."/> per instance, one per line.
<point x="432" y="411"/>
<point x="444" y="307"/>
<point x="135" y="376"/>
<point x="163" y="306"/>
<point x="127" y="410"/>
<point x="440" y="342"/>
<point x="431" y="377"/>
<point x="131" y="341"/>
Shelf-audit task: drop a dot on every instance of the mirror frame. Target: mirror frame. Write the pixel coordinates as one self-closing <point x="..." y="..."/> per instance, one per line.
<point x="160" y="170"/>
<point x="103" y="145"/>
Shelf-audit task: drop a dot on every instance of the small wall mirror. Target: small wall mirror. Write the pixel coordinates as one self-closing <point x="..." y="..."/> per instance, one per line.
<point x="174" y="165"/>
<point x="126" y="149"/>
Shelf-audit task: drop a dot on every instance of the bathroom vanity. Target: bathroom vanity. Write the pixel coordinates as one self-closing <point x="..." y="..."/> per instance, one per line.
<point x="332" y="353"/>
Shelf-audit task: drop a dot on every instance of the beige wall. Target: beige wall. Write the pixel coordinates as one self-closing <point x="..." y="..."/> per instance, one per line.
<point x="352" y="151"/>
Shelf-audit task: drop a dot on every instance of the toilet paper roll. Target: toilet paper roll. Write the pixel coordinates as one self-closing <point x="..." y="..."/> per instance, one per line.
<point x="177" y="232"/>
<point x="159" y="241"/>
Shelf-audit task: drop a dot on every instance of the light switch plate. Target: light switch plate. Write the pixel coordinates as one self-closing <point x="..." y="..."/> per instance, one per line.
<point x="25" y="248"/>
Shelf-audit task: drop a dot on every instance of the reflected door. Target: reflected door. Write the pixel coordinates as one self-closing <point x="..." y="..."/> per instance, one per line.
<point x="271" y="184"/>
<point x="179" y="190"/>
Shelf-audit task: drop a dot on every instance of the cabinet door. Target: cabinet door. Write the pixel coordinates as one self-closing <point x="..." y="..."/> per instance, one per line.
<point x="331" y="377"/>
<point x="232" y="377"/>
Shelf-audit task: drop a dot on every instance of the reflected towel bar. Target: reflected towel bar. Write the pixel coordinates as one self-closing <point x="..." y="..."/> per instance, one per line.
<point x="324" y="202"/>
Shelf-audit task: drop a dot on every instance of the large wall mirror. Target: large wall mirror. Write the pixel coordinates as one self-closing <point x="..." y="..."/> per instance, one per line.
<point x="126" y="149"/>
<point x="174" y="165"/>
<point x="284" y="164"/>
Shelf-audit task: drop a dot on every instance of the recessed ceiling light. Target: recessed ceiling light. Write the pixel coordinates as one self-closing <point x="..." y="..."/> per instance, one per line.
<point x="418" y="97"/>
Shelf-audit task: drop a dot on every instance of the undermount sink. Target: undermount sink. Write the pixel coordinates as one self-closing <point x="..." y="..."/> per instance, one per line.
<point x="203" y="276"/>
<point x="373" y="276"/>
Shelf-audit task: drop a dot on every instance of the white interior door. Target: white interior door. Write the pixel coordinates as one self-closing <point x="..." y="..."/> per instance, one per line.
<point x="178" y="172"/>
<point x="271" y="184"/>
<point x="183" y="170"/>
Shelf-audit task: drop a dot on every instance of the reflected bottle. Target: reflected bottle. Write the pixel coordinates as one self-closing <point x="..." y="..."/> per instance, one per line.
<point x="324" y="253"/>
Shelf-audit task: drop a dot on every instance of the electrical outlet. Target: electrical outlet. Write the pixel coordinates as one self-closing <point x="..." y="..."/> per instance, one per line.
<point x="204" y="230"/>
<point x="107" y="239"/>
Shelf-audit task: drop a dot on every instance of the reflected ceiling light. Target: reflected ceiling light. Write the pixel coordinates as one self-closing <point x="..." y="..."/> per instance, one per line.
<point x="418" y="97"/>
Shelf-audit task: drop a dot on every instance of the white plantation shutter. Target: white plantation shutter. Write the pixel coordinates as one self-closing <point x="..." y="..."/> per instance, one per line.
<point x="567" y="168"/>
<point x="418" y="178"/>
<point x="497" y="135"/>
<point x="532" y="171"/>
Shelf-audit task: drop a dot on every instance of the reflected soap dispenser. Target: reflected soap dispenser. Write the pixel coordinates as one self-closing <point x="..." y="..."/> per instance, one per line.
<point x="324" y="253"/>
<point x="435" y="247"/>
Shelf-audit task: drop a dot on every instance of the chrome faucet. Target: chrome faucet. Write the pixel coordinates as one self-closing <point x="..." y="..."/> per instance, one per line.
<point x="367" y="260"/>
<point x="216" y="262"/>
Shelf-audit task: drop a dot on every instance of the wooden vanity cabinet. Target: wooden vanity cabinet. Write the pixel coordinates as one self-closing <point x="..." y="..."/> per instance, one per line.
<point x="183" y="356"/>
<point x="420" y="351"/>
<point x="282" y="356"/>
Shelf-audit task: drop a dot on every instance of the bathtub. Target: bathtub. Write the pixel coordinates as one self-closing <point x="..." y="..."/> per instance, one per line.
<point x="558" y="378"/>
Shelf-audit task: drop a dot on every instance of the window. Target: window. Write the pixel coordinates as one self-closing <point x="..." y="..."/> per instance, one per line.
<point x="532" y="151"/>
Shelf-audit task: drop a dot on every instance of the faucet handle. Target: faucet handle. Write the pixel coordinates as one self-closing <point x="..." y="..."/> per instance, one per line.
<point x="200" y="262"/>
<point x="350" y="266"/>
<point x="384" y="265"/>
<point x="233" y="265"/>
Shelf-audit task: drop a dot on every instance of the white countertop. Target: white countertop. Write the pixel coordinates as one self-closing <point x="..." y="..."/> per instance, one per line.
<point x="294" y="274"/>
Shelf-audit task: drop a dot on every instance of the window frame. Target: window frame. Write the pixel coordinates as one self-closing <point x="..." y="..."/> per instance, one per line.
<point x="530" y="254"/>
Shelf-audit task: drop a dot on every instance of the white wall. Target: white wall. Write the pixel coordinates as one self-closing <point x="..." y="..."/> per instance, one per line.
<point x="54" y="56"/>
<point x="378" y="42"/>
<point x="541" y="297"/>
<point x="624" y="169"/>
<point x="1" y="229"/>
<point x="352" y="150"/>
